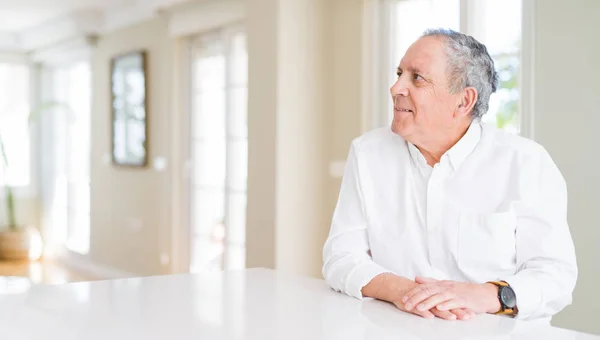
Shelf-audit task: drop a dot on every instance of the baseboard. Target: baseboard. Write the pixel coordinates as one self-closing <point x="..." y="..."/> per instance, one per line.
<point x="85" y="266"/>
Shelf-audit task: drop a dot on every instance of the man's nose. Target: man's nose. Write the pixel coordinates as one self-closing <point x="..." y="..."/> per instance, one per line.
<point x="399" y="88"/>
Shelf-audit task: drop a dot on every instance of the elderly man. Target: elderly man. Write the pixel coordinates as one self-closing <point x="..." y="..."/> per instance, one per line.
<point x="446" y="217"/>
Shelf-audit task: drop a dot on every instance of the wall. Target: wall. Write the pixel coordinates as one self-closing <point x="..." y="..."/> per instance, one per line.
<point x="130" y="216"/>
<point x="567" y="117"/>
<point x="302" y="135"/>
<point x="289" y="124"/>
<point x="261" y="26"/>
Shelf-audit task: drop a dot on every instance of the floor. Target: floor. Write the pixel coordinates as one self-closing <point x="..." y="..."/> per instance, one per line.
<point x="41" y="271"/>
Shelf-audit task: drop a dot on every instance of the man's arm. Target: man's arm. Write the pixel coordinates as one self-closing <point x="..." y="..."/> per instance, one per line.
<point x="347" y="263"/>
<point x="546" y="265"/>
<point x="348" y="266"/>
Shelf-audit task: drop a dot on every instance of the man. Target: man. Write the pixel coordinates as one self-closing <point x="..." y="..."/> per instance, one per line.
<point x="446" y="217"/>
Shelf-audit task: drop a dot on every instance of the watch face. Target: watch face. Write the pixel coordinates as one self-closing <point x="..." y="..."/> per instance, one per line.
<point x="508" y="297"/>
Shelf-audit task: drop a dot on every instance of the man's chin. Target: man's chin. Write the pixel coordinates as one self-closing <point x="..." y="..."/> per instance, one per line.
<point x="402" y="128"/>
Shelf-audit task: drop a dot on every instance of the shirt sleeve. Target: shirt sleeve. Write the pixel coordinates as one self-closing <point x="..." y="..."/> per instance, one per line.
<point x="547" y="268"/>
<point x="347" y="263"/>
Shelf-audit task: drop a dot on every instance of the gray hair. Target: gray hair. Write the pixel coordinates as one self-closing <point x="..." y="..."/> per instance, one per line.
<point x="469" y="65"/>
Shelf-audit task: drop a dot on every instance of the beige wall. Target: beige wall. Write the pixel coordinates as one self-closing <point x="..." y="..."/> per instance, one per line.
<point x="130" y="208"/>
<point x="289" y="118"/>
<point x="261" y="26"/>
<point x="567" y="117"/>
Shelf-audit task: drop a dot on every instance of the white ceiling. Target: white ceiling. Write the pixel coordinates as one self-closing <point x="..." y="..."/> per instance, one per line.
<point x="17" y="15"/>
<point x="27" y="24"/>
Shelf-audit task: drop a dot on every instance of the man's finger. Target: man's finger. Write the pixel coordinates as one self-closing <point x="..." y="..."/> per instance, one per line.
<point x="420" y="293"/>
<point x="452" y="304"/>
<point x="443" y="314"/>
<point x="425" y="314"/>
<point x="421" y="279"/>
<point x="416" y="290"/>
<point x="435" y="300"/>
<point x="461" y="313"/>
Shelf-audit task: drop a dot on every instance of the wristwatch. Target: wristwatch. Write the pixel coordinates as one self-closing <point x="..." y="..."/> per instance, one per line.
<point x="507" y="298"/>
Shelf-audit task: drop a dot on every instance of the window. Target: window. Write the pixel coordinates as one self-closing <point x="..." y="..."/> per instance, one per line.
<point x="71" y="89"/>
<point x="219" y="150"/>
<point x="14" y="123"/>
<point x="495" y="23"/>
<point x="498" y="26"/>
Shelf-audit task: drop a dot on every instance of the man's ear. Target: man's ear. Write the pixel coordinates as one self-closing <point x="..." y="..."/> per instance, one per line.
<point x="467" y="102"/>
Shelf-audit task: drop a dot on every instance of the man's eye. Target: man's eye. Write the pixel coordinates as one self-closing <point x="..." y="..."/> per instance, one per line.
<point x="417" y="77"/>
<point x="399" y="74"/>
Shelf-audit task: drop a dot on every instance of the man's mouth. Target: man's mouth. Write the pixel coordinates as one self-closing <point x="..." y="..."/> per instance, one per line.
<point x="403" y="110"/>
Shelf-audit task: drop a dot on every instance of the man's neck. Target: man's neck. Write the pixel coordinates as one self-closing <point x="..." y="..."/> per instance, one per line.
<point x="434" y="149"/>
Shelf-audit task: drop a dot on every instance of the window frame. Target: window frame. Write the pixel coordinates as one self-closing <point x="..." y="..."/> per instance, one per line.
<point x="49" y="75"/>
<point x="224" y="33"/>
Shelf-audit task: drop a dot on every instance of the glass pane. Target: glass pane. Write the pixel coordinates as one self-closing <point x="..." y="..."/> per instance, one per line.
<point x="134" y="83"/>
<point x="79" y="197"/>
<point x="498" y="25"/>
<point x="208" y="211"/>
<point x="79" y="232"/>
<point x="239" y="60"/>
<point x="238" y="123"/>
<point x="236" y="219"/>
<point x="504" y="104"/>
<point x="209" y="163"/>
<point x="208" y="114"/>
<point x="72" y="90"/>
<point x="136" y="135"/>
<point x="14" y="126"/>
<point x="120" y="138"/>
<point x="237" y="172"/>
<point x="235" y="258"/>
<point x="206" y="254"/>
<point x="209" y="71"/>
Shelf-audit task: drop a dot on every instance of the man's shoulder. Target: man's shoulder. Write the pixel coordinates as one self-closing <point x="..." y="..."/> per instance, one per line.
<point x="511" y="142"/>
<point x="377" y="139"/>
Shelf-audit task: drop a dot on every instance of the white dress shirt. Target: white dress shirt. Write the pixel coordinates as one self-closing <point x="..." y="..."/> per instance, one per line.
<point x="493" y="208"/>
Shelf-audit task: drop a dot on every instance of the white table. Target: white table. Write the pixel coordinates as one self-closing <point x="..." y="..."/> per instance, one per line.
<point x="14" y="284"/>
<point x="253" y="304"/>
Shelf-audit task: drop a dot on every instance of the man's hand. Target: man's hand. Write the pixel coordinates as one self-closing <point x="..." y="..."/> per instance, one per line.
<point x="389" y="287"/>
<point x="452" y="314"/>
<point x="451" y="295"/>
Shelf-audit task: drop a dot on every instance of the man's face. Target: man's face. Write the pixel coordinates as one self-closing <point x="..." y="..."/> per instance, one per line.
<point x="423" y="105"/>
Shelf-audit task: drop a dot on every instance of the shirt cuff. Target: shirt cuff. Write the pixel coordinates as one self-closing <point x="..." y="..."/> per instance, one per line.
<point x="361" y="276"/>
<point x="528" y="293"/>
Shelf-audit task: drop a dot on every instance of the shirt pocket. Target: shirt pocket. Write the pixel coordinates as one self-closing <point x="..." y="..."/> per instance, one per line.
<point x="487" y="244"/>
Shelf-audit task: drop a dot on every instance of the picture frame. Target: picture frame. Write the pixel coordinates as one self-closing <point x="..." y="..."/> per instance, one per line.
<point x="129" y="109"/>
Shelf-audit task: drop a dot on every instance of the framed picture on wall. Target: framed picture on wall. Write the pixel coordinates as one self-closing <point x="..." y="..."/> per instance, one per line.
<point x="129" y="110"/>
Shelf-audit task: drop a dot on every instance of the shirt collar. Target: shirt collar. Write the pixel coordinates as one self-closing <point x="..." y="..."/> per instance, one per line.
<point x="463" y="148"/>
<point x="458" y="153"/>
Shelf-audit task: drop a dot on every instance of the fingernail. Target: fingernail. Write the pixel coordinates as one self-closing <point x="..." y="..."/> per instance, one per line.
<point x="404" y="299"/>
<point x="421" y="308"/>
<point x="452" y="317"/>
<point x="408" y="306"/>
